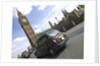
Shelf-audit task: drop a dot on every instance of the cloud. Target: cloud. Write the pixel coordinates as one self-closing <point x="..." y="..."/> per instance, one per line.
<point x="52" y="20"/>
<point x="70" y="8"/>
<point x="36" y="26"/>
<point x="19" y="49"/>
<point x="42" y="7"/>
<point x="38" y="30"/>
<point x="19" y="45"/>
<point x="25" y="9"/>
<point x="19" y="39"/>
<point x="59" y="16"/>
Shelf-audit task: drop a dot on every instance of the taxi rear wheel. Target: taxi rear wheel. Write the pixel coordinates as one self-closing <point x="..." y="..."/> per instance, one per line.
<point x="51" y="51"/>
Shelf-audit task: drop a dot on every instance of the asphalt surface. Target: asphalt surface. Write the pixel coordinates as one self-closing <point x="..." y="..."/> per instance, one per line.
<point x="74" y="46"/>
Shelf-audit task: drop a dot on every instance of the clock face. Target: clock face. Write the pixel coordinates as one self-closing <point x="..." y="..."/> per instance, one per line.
<point x="24" y="20"/>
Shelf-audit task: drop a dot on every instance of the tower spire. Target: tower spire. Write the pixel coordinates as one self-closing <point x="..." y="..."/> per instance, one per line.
<point x="18" y="12"/>
<point x="64" y="12"/>
<point x="50" y="24"/>
<point x="57" y="19"/>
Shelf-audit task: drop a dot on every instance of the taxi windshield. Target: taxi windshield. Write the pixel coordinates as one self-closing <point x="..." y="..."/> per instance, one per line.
<point x="53" y="33"/>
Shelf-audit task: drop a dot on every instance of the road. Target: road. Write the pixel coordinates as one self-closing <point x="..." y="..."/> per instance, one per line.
<point x="74" y="49"/>
<point x="74" y="46"/>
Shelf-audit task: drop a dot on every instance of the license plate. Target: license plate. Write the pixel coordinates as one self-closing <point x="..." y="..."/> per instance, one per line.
<point x="60" y="36"/>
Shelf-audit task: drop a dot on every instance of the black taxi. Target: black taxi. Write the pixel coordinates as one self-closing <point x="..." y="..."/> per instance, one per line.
<point x="50" y="42"/>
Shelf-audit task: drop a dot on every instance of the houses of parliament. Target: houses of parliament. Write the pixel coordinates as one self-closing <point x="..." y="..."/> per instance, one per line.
<point x="68" y="21"/>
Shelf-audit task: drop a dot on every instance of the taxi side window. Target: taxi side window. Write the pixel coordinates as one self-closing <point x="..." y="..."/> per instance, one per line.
<point x="42" y="41"/>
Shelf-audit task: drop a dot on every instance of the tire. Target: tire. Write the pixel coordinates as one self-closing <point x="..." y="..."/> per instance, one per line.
<point x="51" y="51"/>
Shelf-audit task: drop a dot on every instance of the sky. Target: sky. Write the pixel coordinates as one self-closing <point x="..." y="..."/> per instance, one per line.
<point x="38" y="16"/>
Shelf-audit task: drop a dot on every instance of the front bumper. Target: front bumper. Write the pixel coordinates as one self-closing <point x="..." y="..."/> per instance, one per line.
<point x="64" y="41"/>
<point x="60" y="45"/>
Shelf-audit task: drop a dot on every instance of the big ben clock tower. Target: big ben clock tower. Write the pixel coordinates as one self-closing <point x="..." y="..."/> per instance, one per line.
<point x="27" y="28"/>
